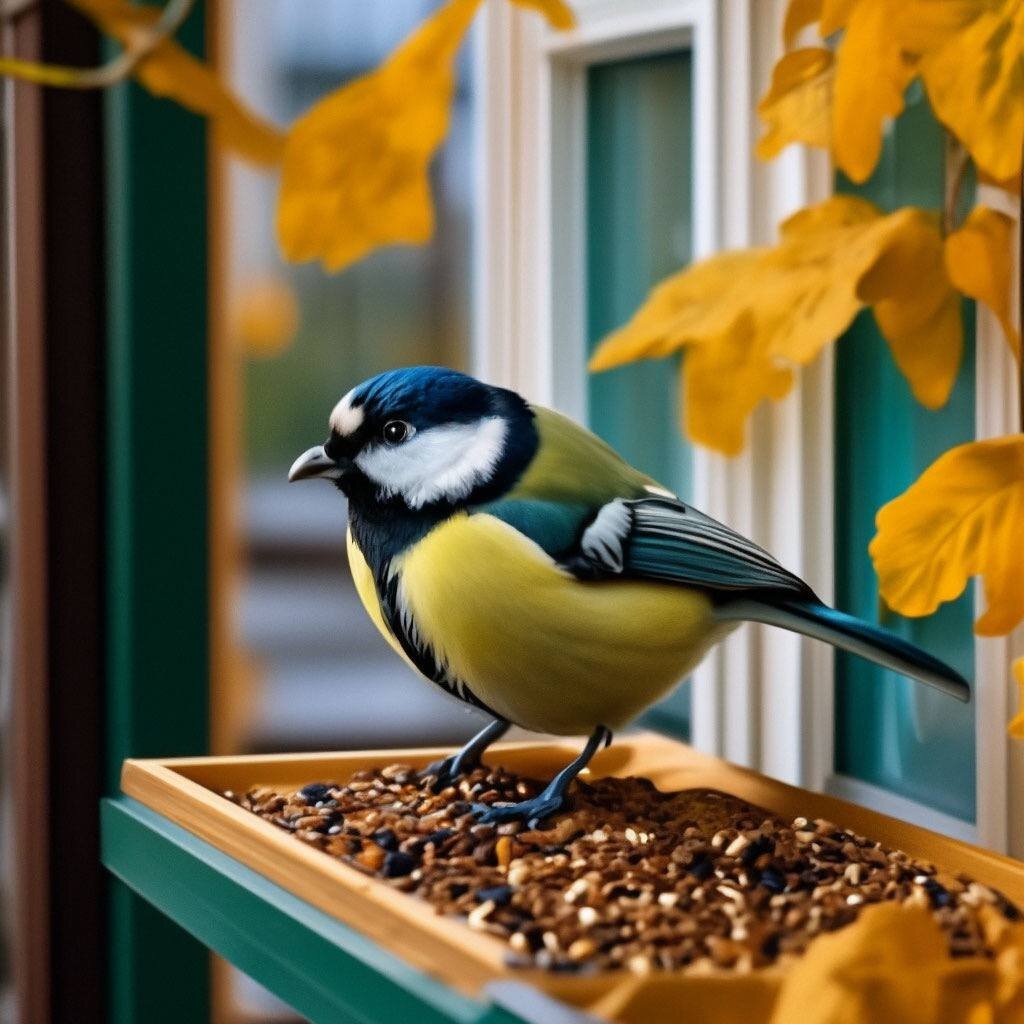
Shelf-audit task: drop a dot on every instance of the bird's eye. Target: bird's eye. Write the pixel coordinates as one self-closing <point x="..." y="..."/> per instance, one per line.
<point x="397" y="431"/>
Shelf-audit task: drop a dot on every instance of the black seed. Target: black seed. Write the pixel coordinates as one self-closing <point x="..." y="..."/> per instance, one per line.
<point x="315" y="792"/>
<point x="459" y="808"/>
<point x="700" y="867"/>
<point x="398" y="864"/>
<point x="438" y="837"/>
<point x="386" y="839"/>
<point x="457" y="889"/>
<point x="759" y="846"/>
<point x="329" y="821"/>
<point x="773" y="881"/>
<point x="499" y="895"/>
<point x="770" y="946"/>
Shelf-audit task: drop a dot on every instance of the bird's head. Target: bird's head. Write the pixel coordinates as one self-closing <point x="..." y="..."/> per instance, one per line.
<point x="424" y="437"/>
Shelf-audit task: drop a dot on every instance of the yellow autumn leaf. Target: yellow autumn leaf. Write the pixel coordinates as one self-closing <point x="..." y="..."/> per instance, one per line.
<point x="872" y="73"/>
<point x="558" y="14"/>
<point x="798" y="105"/>
<point x="972" y="56"/>
<point x="1016" y="726"/>
<point x="835" y="14"/>
<point x="829" y="15"/>
<point x="799" y="14"/>
<point x="266" y="316"/>
<point x="979" y="261"/>
<point x="963" y="517"/>
<point x="354" y="176"/>
<point x="917" y="310"/>
<point x="171" y="71"/>
<point x="889" y="966"/>
<point x="748" y="318"/>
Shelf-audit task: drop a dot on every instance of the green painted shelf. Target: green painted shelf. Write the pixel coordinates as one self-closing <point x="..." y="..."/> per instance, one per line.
<point x="325" y="970"/>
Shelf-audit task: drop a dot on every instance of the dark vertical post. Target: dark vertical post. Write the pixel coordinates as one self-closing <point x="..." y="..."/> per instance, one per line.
<point x="157" y="559"/>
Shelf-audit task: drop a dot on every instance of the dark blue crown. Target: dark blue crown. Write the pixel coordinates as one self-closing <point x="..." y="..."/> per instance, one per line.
<point x="426" y="396"/>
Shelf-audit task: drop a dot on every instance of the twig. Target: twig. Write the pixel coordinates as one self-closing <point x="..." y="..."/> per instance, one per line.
<point x="956" y="165"/>
<point x="113" y="71"/>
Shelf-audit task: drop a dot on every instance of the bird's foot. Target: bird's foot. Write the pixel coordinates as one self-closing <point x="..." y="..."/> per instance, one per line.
<point x="445" y="772"/>
<point x="533" y="812"/>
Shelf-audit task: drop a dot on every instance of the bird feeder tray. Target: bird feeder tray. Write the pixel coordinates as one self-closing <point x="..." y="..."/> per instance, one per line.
<point x="188" y="792"/>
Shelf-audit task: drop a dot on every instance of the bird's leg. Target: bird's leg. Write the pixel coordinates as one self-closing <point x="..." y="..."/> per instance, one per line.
<point x="446" y="771"/>
<point x="551" y="799"/>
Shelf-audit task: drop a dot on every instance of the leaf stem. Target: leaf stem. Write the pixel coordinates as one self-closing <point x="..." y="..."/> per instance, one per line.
<point x="113" y="71"/>
<point x="956" y="164"/>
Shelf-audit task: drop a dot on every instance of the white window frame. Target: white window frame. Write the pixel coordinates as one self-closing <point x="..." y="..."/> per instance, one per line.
<point x="764" y="698"/>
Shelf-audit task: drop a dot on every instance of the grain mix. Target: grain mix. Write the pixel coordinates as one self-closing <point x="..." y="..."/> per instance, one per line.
<point x="628" y="877"/>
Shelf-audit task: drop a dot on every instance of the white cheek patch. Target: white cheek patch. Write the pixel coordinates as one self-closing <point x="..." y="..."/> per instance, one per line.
<point x="445" y="462"/>
<point x="346" y="418"/>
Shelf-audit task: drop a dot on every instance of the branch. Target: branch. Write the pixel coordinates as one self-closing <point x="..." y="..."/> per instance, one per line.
<point x="114" y="71"/>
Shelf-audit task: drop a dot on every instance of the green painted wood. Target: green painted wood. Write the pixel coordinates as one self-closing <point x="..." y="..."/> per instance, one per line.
<point x="157" y="615"/>
<point x="889" y="731"/>
<point x="639" y="230"/>
<point x="325" y="970"/>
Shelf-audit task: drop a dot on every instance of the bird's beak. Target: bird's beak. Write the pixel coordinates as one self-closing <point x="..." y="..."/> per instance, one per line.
<point x="314" y="463"/>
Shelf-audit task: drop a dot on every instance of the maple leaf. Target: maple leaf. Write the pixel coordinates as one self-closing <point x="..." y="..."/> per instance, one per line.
<point x="798" y="104"/>
<point x="872" y="73"/>
<point x="963" y="517"/>
<point x="972" y="56"/>
<point x="968" y="53"/>
<point x="889" y="965"/>
<point x="747" y="318"/>
<point x="354" y="176"/>
<point x="170" y="71"/>
<point x="979" y="261"/>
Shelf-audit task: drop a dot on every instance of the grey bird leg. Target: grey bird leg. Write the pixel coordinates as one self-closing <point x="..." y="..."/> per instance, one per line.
<point x="449" y="769"/>
<point x="552" y="798"/>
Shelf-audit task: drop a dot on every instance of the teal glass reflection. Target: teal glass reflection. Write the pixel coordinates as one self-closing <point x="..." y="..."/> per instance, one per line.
<point x="889" y="731"/>
<point x="639" y="229"/>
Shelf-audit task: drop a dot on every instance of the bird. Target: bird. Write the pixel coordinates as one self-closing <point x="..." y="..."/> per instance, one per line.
<point x="521" y="565"/>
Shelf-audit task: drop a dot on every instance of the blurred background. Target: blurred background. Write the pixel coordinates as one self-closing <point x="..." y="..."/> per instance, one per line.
<point x="317" y="673"/>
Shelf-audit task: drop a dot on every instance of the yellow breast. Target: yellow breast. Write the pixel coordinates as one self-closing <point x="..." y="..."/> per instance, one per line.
<point x="541" y="648"/>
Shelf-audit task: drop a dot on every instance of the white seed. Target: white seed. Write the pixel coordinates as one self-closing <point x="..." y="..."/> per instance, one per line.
<point x="737" y="846"/>
<point x="668" y="899"/>
<point x="477" y="917"/>
<point x="587" y="916"/>
<point x="639" y="964"/>
<point x="578" y="889"/>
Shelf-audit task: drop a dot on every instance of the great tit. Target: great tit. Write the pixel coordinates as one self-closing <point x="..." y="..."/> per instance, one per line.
<point x="516" y="561"/>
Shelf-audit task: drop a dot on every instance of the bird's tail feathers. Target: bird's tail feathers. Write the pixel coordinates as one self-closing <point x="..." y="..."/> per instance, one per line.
<point x="851" y="634"/>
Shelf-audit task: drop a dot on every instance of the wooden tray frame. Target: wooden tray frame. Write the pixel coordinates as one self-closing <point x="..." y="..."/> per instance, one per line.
<point x="187" y="791"/>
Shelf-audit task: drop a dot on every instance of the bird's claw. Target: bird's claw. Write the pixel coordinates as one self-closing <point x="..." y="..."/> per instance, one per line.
<point x="445" y="773"/>
<point x="533" y="812"/>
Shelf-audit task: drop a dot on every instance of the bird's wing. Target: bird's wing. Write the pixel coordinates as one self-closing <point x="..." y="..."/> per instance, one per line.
<point x="662" y="538"/>
<point x="572" y="476"/>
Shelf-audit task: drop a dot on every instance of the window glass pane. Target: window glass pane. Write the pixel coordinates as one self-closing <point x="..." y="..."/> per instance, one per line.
<point x="639" y="186"/>
<point x="890" y="731"/>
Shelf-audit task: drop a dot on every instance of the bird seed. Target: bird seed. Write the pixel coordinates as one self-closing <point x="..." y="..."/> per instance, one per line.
<point x="626" y="878"/>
